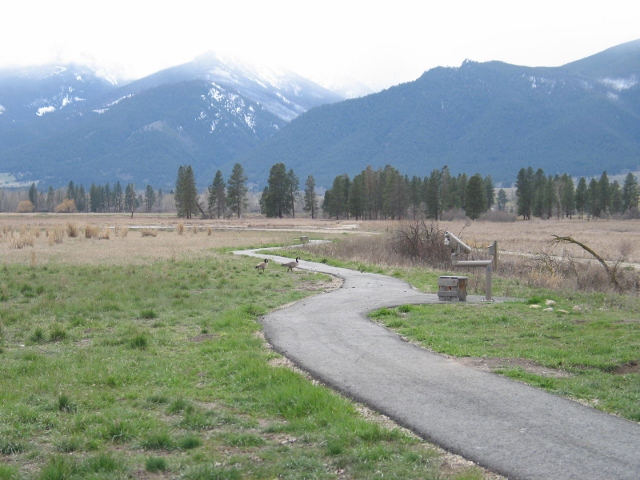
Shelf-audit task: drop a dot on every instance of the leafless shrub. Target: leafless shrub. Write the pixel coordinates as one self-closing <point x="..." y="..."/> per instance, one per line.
<point x="423" y="243"/>
<point x="25" y="206"/>
<point x="454" y="214"/>
<point x="626" y="248"/>
<point x="149" y="232"/>
<point x="632" y="214"/>
<point x="498" y="216"/>
<point x="548" y="263"/>
<point x="123" y="232"/>
<point x="67" y="206"/>
<point x="180" y="228"/>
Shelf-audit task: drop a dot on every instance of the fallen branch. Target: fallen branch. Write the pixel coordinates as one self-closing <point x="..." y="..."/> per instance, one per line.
<point x="611" y="271"/>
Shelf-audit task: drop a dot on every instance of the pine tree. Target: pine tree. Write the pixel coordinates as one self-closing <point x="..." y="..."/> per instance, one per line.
<point x="630" y="193"/>
<point x="524" y="192"/>
<point x="593" y="198"/>
<point x="237" y="190"/>
<point x="71" y="191"/>
<point x="489" y="192"/>
<point x="581" y="196"/>
<point x="372" y="193"/>
<point x="33" y="196"/>
<point x="394" y="194"/>
<point x="276" y="196"/>
<point x="462" y="190"/>
<point x="616" y="197"/>
<point x="502" y="200"/>
<point x="149" y="198"/>
<point x="51" y="199"/>
<point x="130" y="198"/>
<point x="449" y="195"/>
<point x="415" y="195"/>
<point x="117" y="197"/>
<point x="604" y="192"/>
<point x="476" y="197"/>
<point x="310" y="197"/>
<point x="217" y="200"/>
<point x="567" y="195"/>
<point x="186" y="193"/>
<point x="95" y="198"/>
<point x="432" y="199"/>
<point x="294" y="190"/>
<point x="357" y="197"/>
<point x="540" y="194"/>
<point x="82" y="203"/>
<point x="336" y="199"/>
<point x="549" y="197"/>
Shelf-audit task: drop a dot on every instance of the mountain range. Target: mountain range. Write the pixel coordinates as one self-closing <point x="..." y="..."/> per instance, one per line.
<point x="70" y="123"/>
<point x="490" y="118"/>
<point x="62" y="123"/>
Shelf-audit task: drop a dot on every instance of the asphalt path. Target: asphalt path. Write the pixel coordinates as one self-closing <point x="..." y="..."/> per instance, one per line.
<point x="505" y="426"/>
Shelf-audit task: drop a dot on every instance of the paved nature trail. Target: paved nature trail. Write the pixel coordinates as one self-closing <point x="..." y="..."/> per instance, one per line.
<point x="508" y="427"/>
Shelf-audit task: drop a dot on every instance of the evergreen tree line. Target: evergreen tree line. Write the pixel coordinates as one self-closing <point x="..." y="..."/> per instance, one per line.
<point x="372" y="194"/>
<point x="224" y="199"/>
<point x="387" y="194"/>
<point x="545" y="196"/>
<point x="98" y="199"/>
<point x="229" y="198"/>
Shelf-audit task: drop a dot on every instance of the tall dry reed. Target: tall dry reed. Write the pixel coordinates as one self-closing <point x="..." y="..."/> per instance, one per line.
<point x="422" y="244"/>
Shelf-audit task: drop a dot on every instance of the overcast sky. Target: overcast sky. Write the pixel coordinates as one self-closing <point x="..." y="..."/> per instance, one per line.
<point x="380" y="43"/>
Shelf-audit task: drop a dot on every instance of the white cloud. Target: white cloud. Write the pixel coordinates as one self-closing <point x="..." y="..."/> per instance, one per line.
<point x="378" y="43"/>
<point x="42" y="110"/>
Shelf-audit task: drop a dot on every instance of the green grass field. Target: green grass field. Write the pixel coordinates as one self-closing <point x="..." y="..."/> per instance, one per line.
<point x="590" y="355"/>
<point x="159" y="371"/>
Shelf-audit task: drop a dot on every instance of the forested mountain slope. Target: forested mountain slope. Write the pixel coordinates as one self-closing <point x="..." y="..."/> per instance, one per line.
<point x="491" y="118"/>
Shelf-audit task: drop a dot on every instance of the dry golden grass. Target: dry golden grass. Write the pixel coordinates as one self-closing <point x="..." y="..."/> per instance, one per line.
<point x="609" y="238"/>
<point x="106" y="238"/>
<point x="149" y="232"/>
<point x="612" y="239"/>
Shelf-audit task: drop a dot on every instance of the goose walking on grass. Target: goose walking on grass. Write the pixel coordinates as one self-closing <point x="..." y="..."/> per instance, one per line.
<point x="262" y="265"/>
<point x="291" y="265"/>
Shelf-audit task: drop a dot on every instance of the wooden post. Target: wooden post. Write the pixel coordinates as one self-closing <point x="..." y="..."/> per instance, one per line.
<point x="495" y="254"/>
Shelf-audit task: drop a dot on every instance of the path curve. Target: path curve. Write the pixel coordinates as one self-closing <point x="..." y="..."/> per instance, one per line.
<point x="508" y="427"/>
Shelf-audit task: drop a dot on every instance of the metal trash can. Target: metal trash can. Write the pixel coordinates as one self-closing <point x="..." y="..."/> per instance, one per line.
<point x="452" y="289"/>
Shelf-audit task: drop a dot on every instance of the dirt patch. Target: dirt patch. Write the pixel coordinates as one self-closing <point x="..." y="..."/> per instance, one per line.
<point x="144" y="475"/>
<point x="492" y="364"/>
<point x="324" y="287"/>
<point x="630" y="367"/>
<point x="202" y="338"/>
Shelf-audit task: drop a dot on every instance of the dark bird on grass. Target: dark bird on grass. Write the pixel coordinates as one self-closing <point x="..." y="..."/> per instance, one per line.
<point x="291" y="265"/>
<point x="262" y="265"/>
